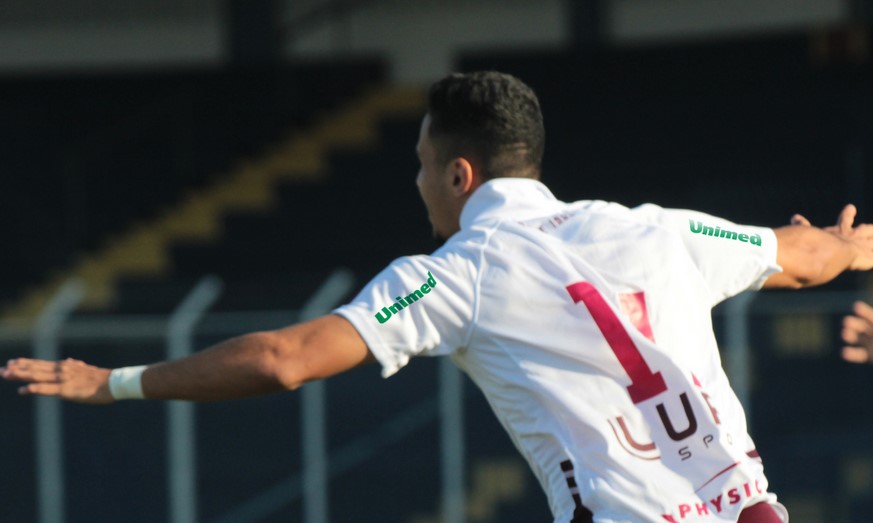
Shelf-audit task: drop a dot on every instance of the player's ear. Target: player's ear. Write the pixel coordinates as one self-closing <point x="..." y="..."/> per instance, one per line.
<point x="462" y="176"/>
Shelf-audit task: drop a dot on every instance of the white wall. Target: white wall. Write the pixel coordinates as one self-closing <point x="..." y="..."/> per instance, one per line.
<point x="73" y="34"/>
<point x="634" y="21"/>
<point x="420" y="37"/>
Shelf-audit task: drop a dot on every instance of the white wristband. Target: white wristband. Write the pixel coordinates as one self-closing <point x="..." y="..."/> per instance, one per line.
<point x="126" y="383"/>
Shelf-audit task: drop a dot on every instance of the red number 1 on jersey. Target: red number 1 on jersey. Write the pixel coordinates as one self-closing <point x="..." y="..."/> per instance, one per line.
<point x="645" y="384"/>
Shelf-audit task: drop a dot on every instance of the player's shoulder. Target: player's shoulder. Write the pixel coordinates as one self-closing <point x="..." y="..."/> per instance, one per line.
<point x="643" y="213"/>
<point x="459" y="254"/>
<point x="612" y="215"/>
<point x="609" y="210"/>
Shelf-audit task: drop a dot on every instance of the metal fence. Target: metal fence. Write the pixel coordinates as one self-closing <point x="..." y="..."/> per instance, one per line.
<point x="176" y="331"/>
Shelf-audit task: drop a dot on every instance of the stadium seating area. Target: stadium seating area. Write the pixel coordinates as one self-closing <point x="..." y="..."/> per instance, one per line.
<point x="88" y="156"/>
<point x="753" y="131"/>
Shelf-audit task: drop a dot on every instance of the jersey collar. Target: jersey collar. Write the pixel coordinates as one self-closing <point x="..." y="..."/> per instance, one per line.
<point x="518" y="198"/>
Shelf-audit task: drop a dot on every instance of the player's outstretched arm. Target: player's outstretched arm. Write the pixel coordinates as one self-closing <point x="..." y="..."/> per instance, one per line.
<point x="858" y="334"/>
<point x="812" y="256"/>
<point x="249" y="365"/>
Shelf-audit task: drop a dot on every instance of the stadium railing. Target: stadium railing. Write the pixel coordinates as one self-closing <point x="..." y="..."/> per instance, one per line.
<point x="766" y="364"/>
<point x="177" y="330"/>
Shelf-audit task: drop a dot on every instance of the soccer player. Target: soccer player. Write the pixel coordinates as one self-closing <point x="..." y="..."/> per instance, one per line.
<point x="587" y="325"/>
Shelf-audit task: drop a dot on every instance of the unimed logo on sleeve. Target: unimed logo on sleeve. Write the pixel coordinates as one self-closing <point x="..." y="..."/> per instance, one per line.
<point x="401" y="302"/>
<point x="718" y="232"/>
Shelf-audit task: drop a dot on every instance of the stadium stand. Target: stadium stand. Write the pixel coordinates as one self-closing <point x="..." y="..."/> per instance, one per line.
<point x="90" y="157"/>
<point x="752" y="130"/>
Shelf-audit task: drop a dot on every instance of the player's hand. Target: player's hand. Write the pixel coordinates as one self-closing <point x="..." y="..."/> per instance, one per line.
<point x="858" y="334"/>
<point x="69" y="379"/>
<point x="861" y="235"/>
<point x="844" y="221"/>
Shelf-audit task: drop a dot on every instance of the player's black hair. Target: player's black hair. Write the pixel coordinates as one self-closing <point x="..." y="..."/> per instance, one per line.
<point x="492" y="119"/>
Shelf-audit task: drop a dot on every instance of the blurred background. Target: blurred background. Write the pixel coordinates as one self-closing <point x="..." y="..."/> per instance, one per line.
<point x="175" y="173"/>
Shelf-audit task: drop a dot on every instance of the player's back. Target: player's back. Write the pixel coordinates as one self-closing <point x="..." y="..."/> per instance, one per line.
<point x="587" y="326"/>
<point x="593" y="343"/>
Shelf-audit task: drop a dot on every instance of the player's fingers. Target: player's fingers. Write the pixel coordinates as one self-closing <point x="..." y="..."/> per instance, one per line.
<point x="858" y="324"/>
<point x="846" y="219"/>
<point x="40" y="389"/>
<point x="852" y="329"/>
<point x="23" y="369"/>
<point x="863" y="230"/>
<point x="859" y="339"/>
<point x="28" y="363"/>
<point x="68" y="379"/>
<point x="855" y="355"/>
<point x="863" y="310"/>
<point x="799" y="219"/>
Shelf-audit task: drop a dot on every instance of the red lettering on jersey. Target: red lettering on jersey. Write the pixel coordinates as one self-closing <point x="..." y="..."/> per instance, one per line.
<point x="555" y="221"/>
<point x="684" y="510"/>
<point x="633" y="443"/>
<point x="645" y="384"/>
<point x="712" y="409"/>
<point x="702" y="508"/>
<point x="646" y="451"/>
<point x="734" y="496"/>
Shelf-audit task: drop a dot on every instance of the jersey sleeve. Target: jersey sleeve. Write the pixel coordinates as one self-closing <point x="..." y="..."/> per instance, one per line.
<point x="418" y="305"/>
<point x="731" y="258"/>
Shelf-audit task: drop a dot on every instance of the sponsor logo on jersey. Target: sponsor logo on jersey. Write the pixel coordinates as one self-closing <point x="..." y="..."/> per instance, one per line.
<point x="401" y="302"/>
<point x="718" y="232"/>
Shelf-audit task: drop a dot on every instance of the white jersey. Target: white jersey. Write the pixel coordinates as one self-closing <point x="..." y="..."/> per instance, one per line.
<point x="587" y="325"/>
